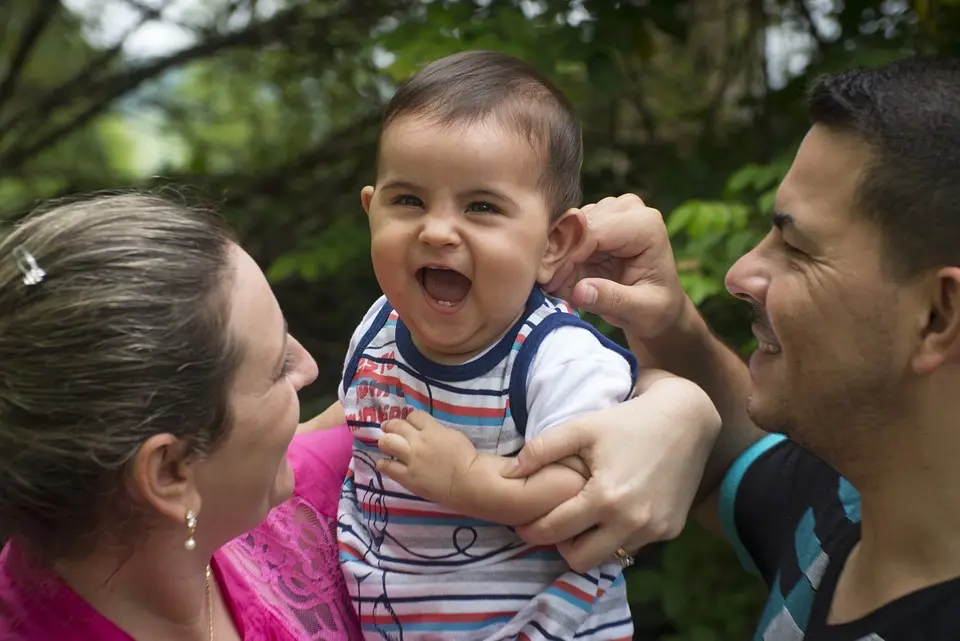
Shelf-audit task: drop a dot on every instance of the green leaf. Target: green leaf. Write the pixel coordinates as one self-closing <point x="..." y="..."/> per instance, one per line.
<point x="681" y="217"/>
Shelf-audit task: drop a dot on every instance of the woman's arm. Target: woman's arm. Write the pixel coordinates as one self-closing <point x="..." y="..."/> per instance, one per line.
<point x="330" y="417"/>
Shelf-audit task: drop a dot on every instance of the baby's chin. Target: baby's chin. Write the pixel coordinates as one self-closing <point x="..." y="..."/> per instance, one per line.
<point x="448" y="352"/>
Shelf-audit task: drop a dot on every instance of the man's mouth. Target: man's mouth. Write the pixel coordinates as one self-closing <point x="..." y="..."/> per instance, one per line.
<point x="766" y="342"/>
<point x="446" y="286"/>
<point x="767" y="348"/>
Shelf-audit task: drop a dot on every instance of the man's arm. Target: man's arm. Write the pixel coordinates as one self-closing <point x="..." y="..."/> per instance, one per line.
<point x="692" y="351"/>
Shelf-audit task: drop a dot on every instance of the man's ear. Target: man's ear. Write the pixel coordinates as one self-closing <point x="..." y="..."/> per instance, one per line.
<point x="940" y="326"/>
<point x="566" y="235"/>
<point x="366" y="196"/>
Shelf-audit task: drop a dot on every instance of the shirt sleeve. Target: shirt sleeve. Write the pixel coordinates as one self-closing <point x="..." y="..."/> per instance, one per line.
<point x="368" y="318"/>
<point x="573" y="373"/>
<point x="319" y="460"/>
<point x="764" y="496"/>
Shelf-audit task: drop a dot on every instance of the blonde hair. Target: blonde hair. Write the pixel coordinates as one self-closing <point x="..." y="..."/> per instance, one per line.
<point x="124" y="338"/>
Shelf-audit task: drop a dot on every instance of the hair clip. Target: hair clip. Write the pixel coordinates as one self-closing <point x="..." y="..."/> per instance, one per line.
<point x="27" y="264"/>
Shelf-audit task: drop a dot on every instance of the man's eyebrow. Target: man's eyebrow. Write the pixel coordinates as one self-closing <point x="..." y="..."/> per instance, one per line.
<point x="783" y="221"/>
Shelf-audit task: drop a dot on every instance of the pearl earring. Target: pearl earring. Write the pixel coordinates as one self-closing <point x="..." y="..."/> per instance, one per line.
<point x="191" y="543"/>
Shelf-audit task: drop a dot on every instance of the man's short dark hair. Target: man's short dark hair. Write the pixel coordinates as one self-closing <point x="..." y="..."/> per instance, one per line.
<point x="909" y="114"/>
<point x="473" y="86"/>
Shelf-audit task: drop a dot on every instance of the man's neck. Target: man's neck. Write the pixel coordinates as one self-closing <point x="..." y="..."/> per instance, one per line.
<point x="143" y="592"/>
<point x="910" y="515"/>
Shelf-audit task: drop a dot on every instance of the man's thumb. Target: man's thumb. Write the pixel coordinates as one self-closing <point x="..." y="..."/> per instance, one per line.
<point x="600" y="296"/>
<point x="550" y="447"/>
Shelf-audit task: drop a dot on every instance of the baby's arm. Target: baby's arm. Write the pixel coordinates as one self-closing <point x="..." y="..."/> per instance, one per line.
<point x="440" y="464"/>
<point x="572" y="374"/>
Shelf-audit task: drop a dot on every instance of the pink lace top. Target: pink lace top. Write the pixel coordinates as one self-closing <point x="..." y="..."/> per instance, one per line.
<point x="281" y="582"/>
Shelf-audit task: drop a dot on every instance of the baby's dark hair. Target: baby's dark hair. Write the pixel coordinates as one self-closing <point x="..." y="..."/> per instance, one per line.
<point x="473" y="86"/>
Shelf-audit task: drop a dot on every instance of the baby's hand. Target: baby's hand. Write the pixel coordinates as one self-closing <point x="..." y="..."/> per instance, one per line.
<point x="430" y="460"/>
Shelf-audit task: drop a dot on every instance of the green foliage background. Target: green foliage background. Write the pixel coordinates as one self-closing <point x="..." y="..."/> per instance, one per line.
<point x="268" y="110"/>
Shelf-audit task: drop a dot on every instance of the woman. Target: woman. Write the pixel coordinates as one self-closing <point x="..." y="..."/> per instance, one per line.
<point x="148" y="405"/>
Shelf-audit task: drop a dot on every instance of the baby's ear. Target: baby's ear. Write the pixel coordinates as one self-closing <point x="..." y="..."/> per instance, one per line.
<point x="366" y="196"/>
<point x="566" y="235"/>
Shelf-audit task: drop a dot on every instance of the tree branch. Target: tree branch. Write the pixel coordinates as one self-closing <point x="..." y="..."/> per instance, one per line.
<point x="814" y="32"/>
<point x="121" y="83"/>
<point x="41" y="18"/>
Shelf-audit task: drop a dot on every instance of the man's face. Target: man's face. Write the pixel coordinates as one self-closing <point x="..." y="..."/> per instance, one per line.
<point x="835" y="331"/>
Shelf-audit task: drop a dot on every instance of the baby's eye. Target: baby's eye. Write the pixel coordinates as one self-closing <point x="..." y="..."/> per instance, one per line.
<point x="481" y="207"/>
<point x="408" y="201"/>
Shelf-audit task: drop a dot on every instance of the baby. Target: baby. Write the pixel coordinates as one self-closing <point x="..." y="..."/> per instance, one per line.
<point x="478" y="178"/>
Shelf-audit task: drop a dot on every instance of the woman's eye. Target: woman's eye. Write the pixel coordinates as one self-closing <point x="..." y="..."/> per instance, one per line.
<point x="483" y="208"/>
<point x="287" y="368"/>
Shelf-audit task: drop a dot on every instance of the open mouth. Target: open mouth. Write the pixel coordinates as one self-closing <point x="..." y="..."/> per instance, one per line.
<point x="446" y="287"/>
<point x="764" y="343"/>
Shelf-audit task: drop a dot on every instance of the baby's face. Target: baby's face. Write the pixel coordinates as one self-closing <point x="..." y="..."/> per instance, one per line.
<point x="458" y="231"/>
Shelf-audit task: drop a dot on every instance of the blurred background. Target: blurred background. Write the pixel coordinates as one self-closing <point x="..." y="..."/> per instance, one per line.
<point x="267" y="109"/>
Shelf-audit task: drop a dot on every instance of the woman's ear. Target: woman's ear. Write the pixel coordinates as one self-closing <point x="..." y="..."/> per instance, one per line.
<point x="566" y="235"/>
<point x="164" y="477"/>
<point x="366" y="196"/>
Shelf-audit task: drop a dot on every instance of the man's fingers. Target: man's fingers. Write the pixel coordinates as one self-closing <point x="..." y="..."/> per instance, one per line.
<point x="591" y="548"/>
<point x="615" y="301"/>
<point x="551" y="446"/>
<point x="396" y="446"/>
<point x="566" y="521"/>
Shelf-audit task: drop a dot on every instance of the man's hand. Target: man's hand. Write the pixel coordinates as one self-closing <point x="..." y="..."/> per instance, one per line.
<point x="624" y="270"/>
<point x="646" y="457"/>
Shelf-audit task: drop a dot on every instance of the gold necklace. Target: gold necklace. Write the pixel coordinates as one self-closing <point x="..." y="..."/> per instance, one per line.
<point x="209" y="603"/>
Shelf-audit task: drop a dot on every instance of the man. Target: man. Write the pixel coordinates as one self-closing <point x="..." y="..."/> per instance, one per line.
<point x="855" y="384"/>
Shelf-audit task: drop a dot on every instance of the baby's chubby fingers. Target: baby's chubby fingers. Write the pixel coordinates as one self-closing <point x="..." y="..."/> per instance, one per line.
<point x="401" y="427"/>
<point x="396" y="446"/>
<point x="420" y="421"/>
<point x="394" y="470"/>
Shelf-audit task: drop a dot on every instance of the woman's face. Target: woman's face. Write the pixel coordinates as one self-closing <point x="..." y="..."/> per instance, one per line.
<point x="248" y="474"/>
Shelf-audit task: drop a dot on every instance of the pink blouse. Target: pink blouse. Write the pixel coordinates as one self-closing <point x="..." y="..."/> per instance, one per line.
<point x="281" y="582"/>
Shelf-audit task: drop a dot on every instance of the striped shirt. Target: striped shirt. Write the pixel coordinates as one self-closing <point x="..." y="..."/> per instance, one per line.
<point x="416" y="570"/>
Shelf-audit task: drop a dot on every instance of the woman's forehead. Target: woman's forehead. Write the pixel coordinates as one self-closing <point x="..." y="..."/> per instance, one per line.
<point x="255" y="319"/>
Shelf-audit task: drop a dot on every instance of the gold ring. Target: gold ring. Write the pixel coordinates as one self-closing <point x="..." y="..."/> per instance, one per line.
<point x="625" y="559"/>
